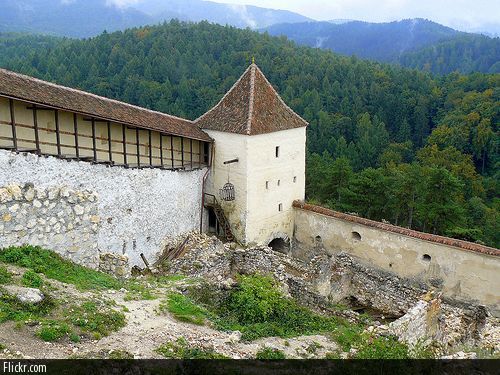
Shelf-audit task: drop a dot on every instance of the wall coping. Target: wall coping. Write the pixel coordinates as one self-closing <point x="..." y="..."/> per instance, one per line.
<point x="463" y="245"/>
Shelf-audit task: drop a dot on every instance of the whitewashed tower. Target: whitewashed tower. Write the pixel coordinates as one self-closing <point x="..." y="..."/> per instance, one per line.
<point x="260" y="149"/>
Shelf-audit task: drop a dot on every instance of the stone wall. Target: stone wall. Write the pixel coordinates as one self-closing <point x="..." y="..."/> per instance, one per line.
<point x="465" y="271"/>
<point x="114" y="264"/>
<point x="107" y="209"/>
<point x="61" y="219"/>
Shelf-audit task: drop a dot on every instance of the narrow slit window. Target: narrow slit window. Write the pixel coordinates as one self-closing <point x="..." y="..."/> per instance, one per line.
<point x="267" y="184"/>
<point x="294" y="179"/>
<point x="279" y="182"/>
<point x="280" y="207"/>
<point x="277" y="151"/>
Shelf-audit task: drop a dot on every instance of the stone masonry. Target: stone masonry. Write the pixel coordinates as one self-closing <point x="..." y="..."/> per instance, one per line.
<point x="59" y="218"/>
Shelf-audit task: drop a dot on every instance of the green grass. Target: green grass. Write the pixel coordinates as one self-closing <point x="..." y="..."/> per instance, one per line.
<point x="5" y="275"/>
<point x="31" y="279"/>
<point x="2" y="346"/>
<point x="53" y="330"/>
<point x="180" y="349"/>
<point x="55" y="267"/>
<point x="184" y="309"/>
<point x="12" y="309"/>
<point x="138" y="291"/>
<point x="97" y="320"/>
<point x="269" y="353"/>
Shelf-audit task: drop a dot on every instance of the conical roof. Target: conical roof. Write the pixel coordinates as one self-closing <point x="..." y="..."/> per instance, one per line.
<point x="252" y="106"/>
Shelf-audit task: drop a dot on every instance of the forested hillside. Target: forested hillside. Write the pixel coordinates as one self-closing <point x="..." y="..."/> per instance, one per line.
<point x="385" y="142"/>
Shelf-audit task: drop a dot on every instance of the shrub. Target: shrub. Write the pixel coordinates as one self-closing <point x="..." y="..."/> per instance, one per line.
<point x="270" y="353"/>
<point x="31" y="279"/>
<point x="382" y="348"/>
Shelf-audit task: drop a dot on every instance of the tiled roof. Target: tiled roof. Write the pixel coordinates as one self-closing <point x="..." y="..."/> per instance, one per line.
<point x="465" y="245"/>
<point x="44" y="93"/>
<point x="252" y="106"/>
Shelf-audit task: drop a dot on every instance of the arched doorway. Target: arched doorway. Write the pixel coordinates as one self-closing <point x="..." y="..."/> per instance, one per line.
<point x="280" y="245"/>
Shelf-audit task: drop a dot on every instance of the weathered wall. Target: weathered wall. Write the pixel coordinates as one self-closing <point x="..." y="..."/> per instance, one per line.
<point x="254" y="214"/>
<point x="459" y="273"/>
<point x="135" y="210"/>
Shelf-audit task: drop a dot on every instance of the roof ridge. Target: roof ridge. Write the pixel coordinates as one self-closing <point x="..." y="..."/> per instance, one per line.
<point x="29" y="78"/>
<point x="278" y="95"/>
<point x="251" y="99"/>
<point x="225" y="95"/>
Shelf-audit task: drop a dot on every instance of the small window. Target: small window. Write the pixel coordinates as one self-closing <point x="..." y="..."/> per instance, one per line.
<point x="426" y="258"/>
<point x="294" y="179"/>
<point x="279" y="182"/>
<point x="277" y="151"/>
<point x="356" y="236"/>
<point x="280" y="207"/>
<point x="267" y="184"/>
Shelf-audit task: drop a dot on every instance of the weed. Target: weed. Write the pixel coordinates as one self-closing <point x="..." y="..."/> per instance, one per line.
<point x="31" y="279"/>
<point x="313" y="347"/>
<point x="138" y="292"/>
<point x="332" y="355"/>
<point x="180" y="349"/>
<point x="53" y="330"/>
<point x="97" y="320"/>
<point x="2" y="346"/>
<point x="55" y="267"/>
<point x="74" y="337"/>
<point x="5" y="275"/>
<point x="270" y="353"/>
<point x="184" y="309"/>
<point x="120" y="354"/>
<point x="382" y="348"/>
<point x="12" y="309"/>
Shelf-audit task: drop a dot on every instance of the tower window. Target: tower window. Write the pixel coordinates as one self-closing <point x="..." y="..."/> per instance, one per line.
<point x="267" y="184"/>
<point x="294" y="179"/>
<point x="280" y="207"/>
<point x="277" y="151"/>
<point x="279" y="182"/>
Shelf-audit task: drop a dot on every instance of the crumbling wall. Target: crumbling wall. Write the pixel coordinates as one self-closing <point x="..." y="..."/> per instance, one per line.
<point x="134" y="210"/>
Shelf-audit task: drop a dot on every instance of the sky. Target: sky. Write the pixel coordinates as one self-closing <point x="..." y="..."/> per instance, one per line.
<point x="467" y="15"/>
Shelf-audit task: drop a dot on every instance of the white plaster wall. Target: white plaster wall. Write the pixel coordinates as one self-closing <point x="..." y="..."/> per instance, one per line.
<point x="265" y="222"/>
<point x="254" y="214"/>
<point x="464" y="274"/>
<point x="229" y="146"/>
<point x="139" y="209"/>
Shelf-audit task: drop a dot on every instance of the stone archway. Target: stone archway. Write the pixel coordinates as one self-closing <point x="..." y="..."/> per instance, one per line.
<point x="280" y="244"/>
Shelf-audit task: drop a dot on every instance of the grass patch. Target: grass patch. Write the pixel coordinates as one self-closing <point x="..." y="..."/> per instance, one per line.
<point x="2" y="346"/>
<point x="270" y="353"/>
<point x="12" y="309"/>
<point x="94" y="319"/>
<point x="184" y="309"/>
<point x="31" y="279"/>
<point x="138" y="292"/>
<point x="180" y="349"/>
<point x="53" y="330"/>
<point x="55" y="267"/>
<point x="5" y="275"/>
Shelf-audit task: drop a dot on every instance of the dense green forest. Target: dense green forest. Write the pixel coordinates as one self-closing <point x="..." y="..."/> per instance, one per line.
<point x="384" y="142"/>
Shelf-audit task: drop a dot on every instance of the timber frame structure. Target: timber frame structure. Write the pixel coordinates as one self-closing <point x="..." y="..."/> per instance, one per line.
<point x="47" y="119"/>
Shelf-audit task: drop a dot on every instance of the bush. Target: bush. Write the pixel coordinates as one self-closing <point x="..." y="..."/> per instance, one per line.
<point x="382" y="348"/>
<point x="31" y="279"/>
<point x="270" y="353"/>
<point x="5" y="276"/>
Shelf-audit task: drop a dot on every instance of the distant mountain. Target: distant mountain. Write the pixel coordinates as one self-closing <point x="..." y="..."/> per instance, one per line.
<point x="85" y="18"/>
<point x="415" y="43"/>
<point x="377" y="41"/>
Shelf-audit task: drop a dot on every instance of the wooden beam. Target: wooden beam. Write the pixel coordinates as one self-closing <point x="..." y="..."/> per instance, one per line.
<point x="182" y="152"/>
<point x="137" y="138"/>
<point x="150" y="148"/>
<point x="58" y="135"/>
<point x="110" y="146"/>
<point x="75" y="125"/>
<point x="94" y="145"/>
<point x="35" y="124"/>
<point x="124" y="136"/>
<point x="161" y="150"/>
<point x="172" y="150"/>
<point x="13" y="123"/>
<point x="191" y="152"/>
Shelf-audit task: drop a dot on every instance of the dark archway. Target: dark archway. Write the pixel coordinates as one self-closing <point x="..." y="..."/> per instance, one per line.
<point x="280" y="245"/>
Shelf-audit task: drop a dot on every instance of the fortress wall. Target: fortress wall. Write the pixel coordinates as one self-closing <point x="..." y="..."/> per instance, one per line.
<point x="471" y="275"/>
<point x="79" y="209"/>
